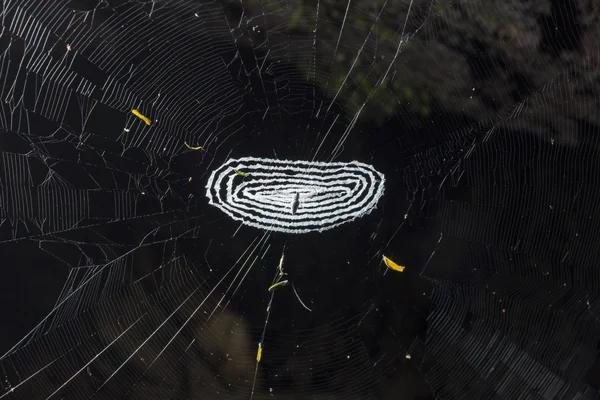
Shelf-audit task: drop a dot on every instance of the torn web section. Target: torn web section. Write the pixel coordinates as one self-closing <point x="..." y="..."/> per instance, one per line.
<point x="93" y="189"/>
<point x="69" y="98"/>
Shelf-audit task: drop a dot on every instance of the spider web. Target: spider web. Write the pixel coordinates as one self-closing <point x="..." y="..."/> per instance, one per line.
<point x="489" y="157"/>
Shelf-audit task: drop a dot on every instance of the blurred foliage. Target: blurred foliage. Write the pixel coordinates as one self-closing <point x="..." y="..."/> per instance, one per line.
<point x="484" y="19"/>
<point x="355" y="80"/>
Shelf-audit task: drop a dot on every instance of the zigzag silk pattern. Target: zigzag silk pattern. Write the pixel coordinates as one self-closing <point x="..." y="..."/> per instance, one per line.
<point x="294" y="196"/>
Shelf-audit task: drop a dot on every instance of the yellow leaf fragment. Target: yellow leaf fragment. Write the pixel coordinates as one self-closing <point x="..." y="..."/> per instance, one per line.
<point x="192" y="147"/>
<point x="141" y="116"/>
<point x="277" y="285"/>
<point x="259" y="353"/>
<point x="240" y="173"/>
<point x="392" y="265"/>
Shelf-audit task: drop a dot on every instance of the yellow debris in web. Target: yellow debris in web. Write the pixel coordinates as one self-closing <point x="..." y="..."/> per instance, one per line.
<point x="138" y="114"/>
<point x="192" y="147"/>
<point x="392" y="265"/>
<point x="277" y="285"/>
<point x="240" y="173"/>
<point x="259" y="354"/>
